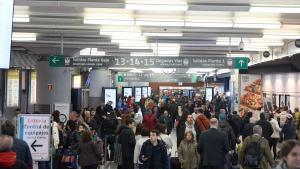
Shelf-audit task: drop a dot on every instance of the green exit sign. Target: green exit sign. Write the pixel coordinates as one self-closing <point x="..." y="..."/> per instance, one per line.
<point x="120" y="78"/>
<point x="56" y="61"/>
<point x="241" y="63"/>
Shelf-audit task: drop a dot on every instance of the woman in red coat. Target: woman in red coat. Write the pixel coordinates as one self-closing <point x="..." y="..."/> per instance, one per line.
<point x="149" y="120"/>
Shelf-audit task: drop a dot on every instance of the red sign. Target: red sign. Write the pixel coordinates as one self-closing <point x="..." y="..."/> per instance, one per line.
<point x="50" y="87"/>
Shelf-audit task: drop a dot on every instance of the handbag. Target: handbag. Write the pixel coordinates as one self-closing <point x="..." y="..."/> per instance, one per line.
<point x="69" y="159"/>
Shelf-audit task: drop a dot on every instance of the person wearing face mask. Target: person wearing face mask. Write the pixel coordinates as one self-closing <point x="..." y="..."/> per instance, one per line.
<point x="187" y="152"/>
<point x="290" y="154"/>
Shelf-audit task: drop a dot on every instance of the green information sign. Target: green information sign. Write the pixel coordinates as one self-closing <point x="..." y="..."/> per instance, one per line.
<point x="120" y="78"/>
<point x="241" y="63"/>
<point x="56" y="61"/>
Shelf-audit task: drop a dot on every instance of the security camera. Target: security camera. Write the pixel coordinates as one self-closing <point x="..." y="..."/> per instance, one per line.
<point x="241" y="45"/>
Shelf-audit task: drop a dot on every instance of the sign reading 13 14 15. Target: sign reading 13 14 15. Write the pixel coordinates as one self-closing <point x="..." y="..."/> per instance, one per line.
<point x="121" y="61"/>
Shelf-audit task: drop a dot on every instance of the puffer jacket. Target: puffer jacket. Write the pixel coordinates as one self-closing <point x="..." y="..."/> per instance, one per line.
<point x="188" y="155"/>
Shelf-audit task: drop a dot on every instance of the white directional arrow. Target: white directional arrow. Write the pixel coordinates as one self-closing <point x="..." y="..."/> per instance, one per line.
<point x="241" y="63"/>
<point x="54" y="60"/>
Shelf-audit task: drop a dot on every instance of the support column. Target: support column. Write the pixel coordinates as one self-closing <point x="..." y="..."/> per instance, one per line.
<point x="99" y="78"/>
<point x="234" y="89"/>
<point x="59" y="78"/>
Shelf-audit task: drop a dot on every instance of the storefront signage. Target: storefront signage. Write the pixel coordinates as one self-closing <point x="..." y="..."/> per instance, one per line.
<point x="149" y="62"/>
<point x="34" y="129"/>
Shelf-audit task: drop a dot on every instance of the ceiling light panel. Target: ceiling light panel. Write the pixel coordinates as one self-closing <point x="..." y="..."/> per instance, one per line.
<point x="262" y="25"/>
<point x="20" y="36"/>
<point x="203" y="23"/>
<point x="154" y="5"/>
<point x="162" y="34"/>
<point x="105" y="16"/>
<point x="272" y="9"/>
<point x="21" y="18"/>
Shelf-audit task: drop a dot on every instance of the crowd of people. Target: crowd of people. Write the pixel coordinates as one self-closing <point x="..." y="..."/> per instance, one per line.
<point x="137" y="135"/>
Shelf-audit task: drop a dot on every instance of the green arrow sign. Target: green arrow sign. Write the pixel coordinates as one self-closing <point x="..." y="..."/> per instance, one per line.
<point x="241" y="63"/>
<point x="56" y="61"/>
<point x="120" y="78"/>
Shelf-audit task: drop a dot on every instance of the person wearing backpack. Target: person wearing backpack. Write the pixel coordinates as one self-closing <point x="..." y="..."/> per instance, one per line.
<point x="255" y="152"/>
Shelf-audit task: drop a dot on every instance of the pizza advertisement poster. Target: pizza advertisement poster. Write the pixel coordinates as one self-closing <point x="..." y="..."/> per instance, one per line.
<point x="251" y="92"/>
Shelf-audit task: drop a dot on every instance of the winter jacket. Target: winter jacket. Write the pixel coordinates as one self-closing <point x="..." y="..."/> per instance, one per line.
<point x="202" y="122"/>
<point x="149" y="121"/>
<point x="188" y="155"/>
<point x="248" y="130"/>
<point x="276" y="128"/>
<point x="166" y="121"/>
<point x="138" y="117"/>
<point x="88" y="154"/>
<point x="137" y="149"/>
<point x="181" y="130"/>
<point x="267" y="129"/>
<point x="228" y="131"/>
<point x="236" y="124"/>
<point x="289" y="131"/>
<point x="55" y="135"/>
<point x="155" y="156"/>
<point x="127" y="141"/>
<point x="267" y="157"/>
<point x="8" y="160"/>
<point x="23" y="152"/>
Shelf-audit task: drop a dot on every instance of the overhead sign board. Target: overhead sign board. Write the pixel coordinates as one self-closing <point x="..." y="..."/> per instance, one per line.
<point x="155" y="77"/>
<point x="144" y="62"/>
<point x="34" y="129"/>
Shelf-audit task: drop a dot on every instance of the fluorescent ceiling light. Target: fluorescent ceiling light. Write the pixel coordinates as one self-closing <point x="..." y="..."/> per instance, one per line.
<point x="156" y="70"/>
<point x="274" y="25"/>
<point x="129" y="41"/>
<point x="132" y="47"/>
<point x="18" y="36"/>
<point x="156" y="5"/>
<point x="260" y="9"/>
<point x="108" y="21"/>
<point x="121" y="68"/>
<point x="202" y="69"/>
<point x="161" y="34"/>
<point x="21" y="18"/>
<point x="159" y="23"/>
<point x="223" y="24"/>
<point x="282" y="36"/>
<point x="238" y="55"/>
<point x="136" y="71"/>
<point x="141" y="54"/>
<point x="256" y="49"/>
<point x="92" y="52"/>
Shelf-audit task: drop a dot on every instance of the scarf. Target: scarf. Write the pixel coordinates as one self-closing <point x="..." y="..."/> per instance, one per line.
<point x="8" y="159"/>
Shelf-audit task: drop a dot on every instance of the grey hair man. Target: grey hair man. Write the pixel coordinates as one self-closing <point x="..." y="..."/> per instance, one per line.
<point x="255" y="151"/>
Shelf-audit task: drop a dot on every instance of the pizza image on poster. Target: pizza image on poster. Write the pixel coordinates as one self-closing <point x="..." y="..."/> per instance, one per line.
<point x="251" y="92"/>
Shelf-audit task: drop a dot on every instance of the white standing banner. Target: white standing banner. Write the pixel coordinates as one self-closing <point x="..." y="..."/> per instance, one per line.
<point x="64" y="109"/>
<point x="35" y="130"/>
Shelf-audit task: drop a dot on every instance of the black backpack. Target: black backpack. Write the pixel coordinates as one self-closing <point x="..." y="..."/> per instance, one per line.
<point x="253" y="155"/>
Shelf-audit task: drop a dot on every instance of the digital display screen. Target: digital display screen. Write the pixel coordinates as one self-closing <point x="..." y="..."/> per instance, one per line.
<point x="149" y="92"/>
<point x="110" y="95"/>
<point x="209" y="93"/>
<point x="138" y="94"/>
<point x="127" y="91"/>
<point x="145" y="92"/>
<point x="6" y="19"/>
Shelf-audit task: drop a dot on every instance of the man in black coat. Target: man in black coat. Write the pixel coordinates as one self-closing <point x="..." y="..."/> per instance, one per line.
<point x="267" y="129"/>
<point x="127" y="141"/>
<point x="213" y="147"/>
<point x="154" y="153"/>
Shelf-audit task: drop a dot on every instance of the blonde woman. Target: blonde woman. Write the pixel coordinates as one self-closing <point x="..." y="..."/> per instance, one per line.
<point x="187" y="152"/>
